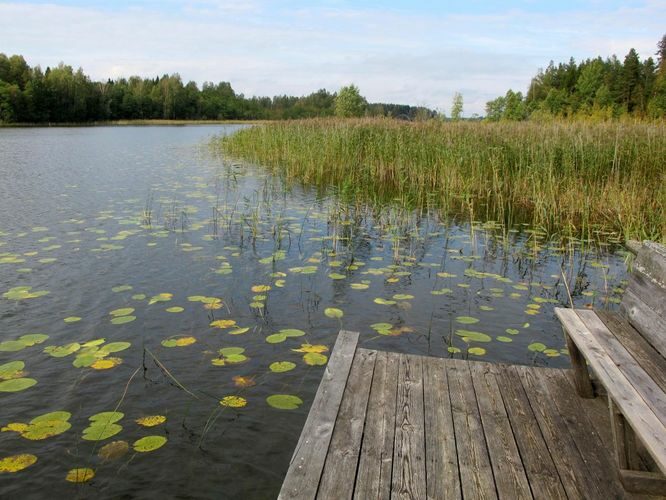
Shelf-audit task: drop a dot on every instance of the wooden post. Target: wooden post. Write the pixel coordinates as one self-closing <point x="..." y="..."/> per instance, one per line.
<point x="582" y="379"/>
<point x="623" y="438"/>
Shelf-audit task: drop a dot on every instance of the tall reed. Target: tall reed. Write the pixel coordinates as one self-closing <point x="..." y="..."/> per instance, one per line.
<point x="575" y="179"/>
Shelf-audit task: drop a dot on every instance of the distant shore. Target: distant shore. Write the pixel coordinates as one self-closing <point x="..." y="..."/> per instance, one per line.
<point x="133" y="123"/>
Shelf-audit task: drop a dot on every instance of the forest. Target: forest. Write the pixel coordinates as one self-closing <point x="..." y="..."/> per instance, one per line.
<point x="593" y="88"/>
<point x="64" y="95"/>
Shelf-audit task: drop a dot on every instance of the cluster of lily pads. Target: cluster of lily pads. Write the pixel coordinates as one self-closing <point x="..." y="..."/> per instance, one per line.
<point x="101" y="427"/>
<point x="380" y="273"/>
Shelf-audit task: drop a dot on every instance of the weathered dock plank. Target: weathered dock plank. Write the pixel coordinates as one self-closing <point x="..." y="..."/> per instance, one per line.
<point x="304" y="474"/>
<point x="409" y="451"/>
<point x="440" y="443"/>
<point x="345" y="446"/>
<point x="387" y="425"/>
<point x="373" y="479"/>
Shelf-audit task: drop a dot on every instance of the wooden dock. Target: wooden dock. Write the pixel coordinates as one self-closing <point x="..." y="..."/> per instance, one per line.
<point x="389" y="425"/>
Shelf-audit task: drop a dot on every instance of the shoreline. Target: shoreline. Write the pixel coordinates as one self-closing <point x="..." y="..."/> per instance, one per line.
<point x="132" y="123"/>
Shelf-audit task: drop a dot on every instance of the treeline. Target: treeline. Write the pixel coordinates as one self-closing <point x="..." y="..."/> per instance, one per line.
<point x="61" y="94"/>
<point x="598" y="88"/>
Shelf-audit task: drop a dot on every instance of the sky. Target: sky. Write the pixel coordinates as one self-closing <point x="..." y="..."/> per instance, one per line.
<point x="398" y="51"/>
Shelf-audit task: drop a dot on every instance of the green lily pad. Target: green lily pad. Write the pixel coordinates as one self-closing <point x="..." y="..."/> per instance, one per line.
<point x="149" y="443"/>
<point x="466" y="320"/>
<point x="477" y="351"/>
<point x="282" y="366"/>
<point x="230" y="351"/>
<point x="276" y="338"/>
<point x="121" y="320"/>
<point x="536" y="347"/>
<point x="470" y="335"/>
<point x="292" y="332"/>
<point x="62" y="351"/>
<point x="284" y="401"/>
<point x="16" y="384"/>
<point x="315" y="358"/>
<point x="107" y="417"/>
<point x="99" y="432"/>
<point x="33" y="339"/>
<point x="333" y="312"/>
<point x="114" y="347"/>
<point x="11" y="346"/>
<point x="124" y="311"/>
<point x="9" y="370"/>
<point x="54" y="415"/>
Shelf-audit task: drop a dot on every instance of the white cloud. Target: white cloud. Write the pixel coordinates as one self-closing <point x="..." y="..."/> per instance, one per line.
<point x="394" y="56"/>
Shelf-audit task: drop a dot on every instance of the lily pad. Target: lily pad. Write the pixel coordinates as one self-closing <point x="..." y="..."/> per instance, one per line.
<point x="121" y="320"/>
<point x="179" y="342"/>
<point x="314" y="358"/>
<point x="101" y="431"/>
<point x="11" y="369"/>
<point x="149" y="443"/>
<point x="466" y="320"/>
<point x="223" y="323"/>
<point x="233" y="401"/>
<point x="33" y="339"/>
<point x="477" y="351"/>
<point x="151" y="420"/>
<point x="282" y="366"/>
<point x="17" y="384"/>
<point x="107" y="417"/>
<point x="276" y="338"/>
<point x="536" y="347"/>
<point x="80" y="475"/>
<point x="62" y="351"/>
<point x="124" y="311"/>
<point x="470" y="335"/>
<point x="16" y="463"/>
<point x="284" y="401"/>
<point x="113" y="450"/>
<point x="333" y="312"/>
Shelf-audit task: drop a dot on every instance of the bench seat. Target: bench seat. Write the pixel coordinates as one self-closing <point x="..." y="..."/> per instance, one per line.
<point x="633" y="374"/>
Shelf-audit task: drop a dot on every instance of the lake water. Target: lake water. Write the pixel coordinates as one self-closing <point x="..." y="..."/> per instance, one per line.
<point x="120" y="246"/>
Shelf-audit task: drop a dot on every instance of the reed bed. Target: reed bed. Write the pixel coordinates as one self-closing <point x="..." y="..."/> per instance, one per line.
<point x="573" y="179"/>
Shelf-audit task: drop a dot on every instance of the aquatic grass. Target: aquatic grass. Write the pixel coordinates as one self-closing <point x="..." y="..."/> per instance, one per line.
<point x="574" y="179"/>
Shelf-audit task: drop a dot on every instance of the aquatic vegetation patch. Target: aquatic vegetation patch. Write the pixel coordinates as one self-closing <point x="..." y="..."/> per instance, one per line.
<point x="41" y="427"/>
<point x="22" y="342"/>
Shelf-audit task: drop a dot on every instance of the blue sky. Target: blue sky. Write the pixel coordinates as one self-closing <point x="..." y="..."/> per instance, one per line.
<point x="417" y="53"/>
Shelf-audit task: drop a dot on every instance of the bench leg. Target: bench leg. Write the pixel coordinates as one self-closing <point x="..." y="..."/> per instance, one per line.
<point x="623" y="439"/>
<point x="626" y="454"/>
<point x="581" y="374"/>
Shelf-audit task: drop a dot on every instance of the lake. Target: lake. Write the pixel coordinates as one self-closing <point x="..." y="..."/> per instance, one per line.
<point x="166" y="313"/>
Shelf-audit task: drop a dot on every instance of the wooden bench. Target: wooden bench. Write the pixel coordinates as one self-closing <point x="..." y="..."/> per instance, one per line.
<point x="626" y="354"/>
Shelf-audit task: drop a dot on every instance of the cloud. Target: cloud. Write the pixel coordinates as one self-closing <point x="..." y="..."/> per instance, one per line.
<point x="413" y="56"/>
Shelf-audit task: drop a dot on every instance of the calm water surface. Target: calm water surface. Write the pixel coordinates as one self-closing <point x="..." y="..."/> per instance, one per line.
<point x="142" y="238"/>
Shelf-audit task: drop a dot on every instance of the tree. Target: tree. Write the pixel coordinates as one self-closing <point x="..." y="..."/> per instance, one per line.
<point x="631" y="81"/>
<point x="457" y="107"/>
<point x="349" y="102"/>
<point x="495" y="109"/>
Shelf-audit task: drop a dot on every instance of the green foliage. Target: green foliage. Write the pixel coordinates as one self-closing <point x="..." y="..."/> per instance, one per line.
<point x="457" y="106"/>
<point x="61" y="94"/>
<point x="349" y="102"/>
<point x="594" y="88"/>
<point x="562" y="177"/>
